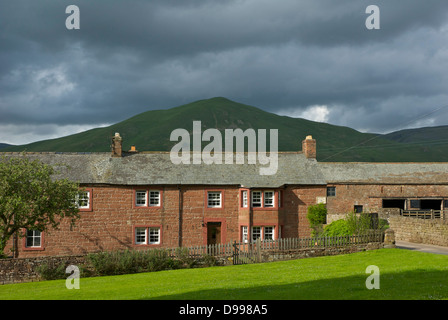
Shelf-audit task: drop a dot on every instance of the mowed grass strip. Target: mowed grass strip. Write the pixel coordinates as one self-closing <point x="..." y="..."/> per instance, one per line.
<point x="404" y="274"/>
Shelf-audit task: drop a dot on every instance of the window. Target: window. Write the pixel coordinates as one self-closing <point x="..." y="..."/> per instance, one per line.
<point x="33" y="239"/>
<point x="415" y="204"/>
<point x="154" y="235"/>
<point x="358" y="209"/>
<point x="331" y="191"/>
<point x="263" y="233"/>
<point x="82" y="200"/>
<point x="148" y="198"/>
<point x="214" y="199"/>
<point x="269" y="199"/>
<point x="140" y="198"/>
<point x="140" y="235"/>
<point x="256" y="199"/>
<point x="154" y="198"/>
<point x="244" y="198"/>
<point x="147" y="235"/>
<point x="244" y="234"/>
<point x="268" y="233"/>
<point x="256" y="233"/>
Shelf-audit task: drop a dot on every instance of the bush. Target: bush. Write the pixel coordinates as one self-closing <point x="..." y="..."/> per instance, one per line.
<point x="337" y="228"/>
<point x="50" y="272"/>
<point x="124" y="262"/>
<point x="317" y="216"/>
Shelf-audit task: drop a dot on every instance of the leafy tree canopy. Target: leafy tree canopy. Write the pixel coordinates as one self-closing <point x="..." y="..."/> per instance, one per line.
<point x="31" y="199"/>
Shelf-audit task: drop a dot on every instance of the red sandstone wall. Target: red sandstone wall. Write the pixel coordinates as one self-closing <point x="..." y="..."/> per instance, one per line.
<point x="109" y="223"/>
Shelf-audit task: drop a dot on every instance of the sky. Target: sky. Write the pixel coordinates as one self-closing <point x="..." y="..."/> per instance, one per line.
<point x="313" y="59"/>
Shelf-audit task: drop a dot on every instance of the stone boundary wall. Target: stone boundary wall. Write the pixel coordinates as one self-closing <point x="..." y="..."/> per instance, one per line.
<point x="25" y="269"/>
<point x="416" y="230"/>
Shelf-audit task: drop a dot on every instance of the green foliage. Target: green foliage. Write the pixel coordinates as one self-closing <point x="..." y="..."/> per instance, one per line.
<point x="135" y="261"/>
<point x="353" y="224"/>
<point x="317" y="216"/>
<point x="337" y="228"/>
<point x="222" y="113"/>
<point x="31" y="199"/>
<point x="50" y="272"/>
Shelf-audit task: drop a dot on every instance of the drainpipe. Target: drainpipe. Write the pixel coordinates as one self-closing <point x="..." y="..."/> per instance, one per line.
<point x="180" y="216"/>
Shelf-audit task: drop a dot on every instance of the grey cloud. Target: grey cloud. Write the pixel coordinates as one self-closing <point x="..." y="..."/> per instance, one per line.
<point x="132" y="56"/>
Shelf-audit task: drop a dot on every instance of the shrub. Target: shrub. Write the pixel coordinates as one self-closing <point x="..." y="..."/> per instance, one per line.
<point x="123" y="262"/>
<point x="337" y="228"/>
<point x="317" y="216"/>
<point x="50" y="272"/>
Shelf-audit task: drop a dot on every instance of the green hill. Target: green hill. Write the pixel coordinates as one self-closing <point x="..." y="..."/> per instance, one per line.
<point x="150" y="131"/>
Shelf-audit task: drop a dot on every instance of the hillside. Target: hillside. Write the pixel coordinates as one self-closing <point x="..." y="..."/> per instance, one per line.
<point x="5" y="145"/>
<point x="150" y="131"/>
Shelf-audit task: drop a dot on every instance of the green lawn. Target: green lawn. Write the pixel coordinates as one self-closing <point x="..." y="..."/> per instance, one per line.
<point x="403" y="275"/>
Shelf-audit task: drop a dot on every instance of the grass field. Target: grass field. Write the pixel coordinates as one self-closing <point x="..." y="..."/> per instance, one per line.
<point x="403" y="275"/>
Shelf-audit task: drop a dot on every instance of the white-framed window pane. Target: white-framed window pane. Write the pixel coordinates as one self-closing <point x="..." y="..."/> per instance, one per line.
<point x="256" y="233"/>
<point x="154" y="198"/>
<point x="256" y="199"/>
<point x="244" y="234"/>
<point x="140" y="198"/>
<point x="269" y="199"/>
<point x="268" y="233"/>
<point x="33" y="238"/>
<point x="244" y="200"/>
<point x="84" y="200"/>
<point x="140" y="235"/>
<point x="214" y="199"/>
<point x="154" y="235"/>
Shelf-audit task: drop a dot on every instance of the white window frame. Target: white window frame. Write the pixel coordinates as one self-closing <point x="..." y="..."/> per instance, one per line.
<point x="259" y="200"/>
<point x="212" y="200"/>
<point x="83" y="196"/>
<point x="147" y="235"/>
<point x="153" y="232"/>
<point x="245" y="234"/>
<point x="271" y="198"/>
<point x="269" y="235"/>
<point x="259" y="233"/>
<point x="138" y="198"/>
<point x="244" y="195"/>
<point x="36" y="237"/>
<point x="152" y="196"/>
<point x="140" y="234"/>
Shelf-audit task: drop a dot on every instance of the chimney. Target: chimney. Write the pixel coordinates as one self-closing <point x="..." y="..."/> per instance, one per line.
<point x="116" y="145"/>
<point x="309" y="147"/>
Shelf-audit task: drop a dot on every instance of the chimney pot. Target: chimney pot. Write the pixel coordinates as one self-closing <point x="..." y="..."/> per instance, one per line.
<point x="309" y="147"/>
<point x="116" y="147"/>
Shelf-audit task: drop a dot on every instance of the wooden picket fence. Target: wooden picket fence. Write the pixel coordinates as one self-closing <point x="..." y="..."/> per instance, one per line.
<point x="243" y="253"/>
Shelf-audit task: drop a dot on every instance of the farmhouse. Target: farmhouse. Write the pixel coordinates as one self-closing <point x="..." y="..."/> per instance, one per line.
<point x="135" y="200"/>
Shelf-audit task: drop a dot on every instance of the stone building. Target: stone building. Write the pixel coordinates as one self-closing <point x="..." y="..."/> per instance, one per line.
<point x="141" y="200"/>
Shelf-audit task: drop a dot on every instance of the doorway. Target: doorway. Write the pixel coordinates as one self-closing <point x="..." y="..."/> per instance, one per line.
<point x="213" y="233"/>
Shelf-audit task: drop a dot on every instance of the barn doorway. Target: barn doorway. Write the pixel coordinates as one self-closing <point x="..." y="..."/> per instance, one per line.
<point x="431" y="204"/>
<point x="393" y="203"/>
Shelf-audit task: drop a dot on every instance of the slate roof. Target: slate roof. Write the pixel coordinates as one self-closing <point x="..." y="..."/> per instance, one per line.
<point x="156" y="168"/>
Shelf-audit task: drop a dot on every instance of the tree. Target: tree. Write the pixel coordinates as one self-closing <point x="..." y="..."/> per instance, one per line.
<point x="31" y="199"/>
<point x="317" y="216"/>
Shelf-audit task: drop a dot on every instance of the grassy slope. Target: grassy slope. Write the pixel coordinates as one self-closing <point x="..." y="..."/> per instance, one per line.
<point x="403" y="275"/>
<point x="150" y="131"/>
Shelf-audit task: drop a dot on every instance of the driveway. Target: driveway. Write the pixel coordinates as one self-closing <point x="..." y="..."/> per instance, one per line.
<point x="421" y="247"/>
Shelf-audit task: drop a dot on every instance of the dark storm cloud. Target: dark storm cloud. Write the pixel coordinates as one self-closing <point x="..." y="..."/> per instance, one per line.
<point x="284" y="56"/>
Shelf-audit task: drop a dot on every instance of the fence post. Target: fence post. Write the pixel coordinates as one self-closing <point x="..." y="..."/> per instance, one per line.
<point x="258" y="248"/>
